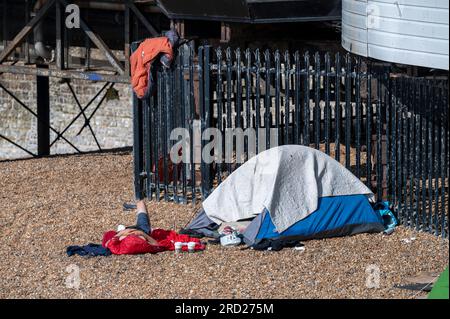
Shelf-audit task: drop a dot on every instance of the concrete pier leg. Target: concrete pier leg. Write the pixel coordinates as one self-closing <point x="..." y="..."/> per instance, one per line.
<point x="43" y="112"/>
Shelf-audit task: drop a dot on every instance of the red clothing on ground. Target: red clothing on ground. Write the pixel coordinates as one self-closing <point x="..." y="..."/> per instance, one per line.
<point x="142" y="59"/>
<point x="132" y="245"/>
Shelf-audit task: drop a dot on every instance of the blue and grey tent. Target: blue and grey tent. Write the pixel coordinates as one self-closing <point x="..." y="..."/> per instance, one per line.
<point x="290" y="192"/>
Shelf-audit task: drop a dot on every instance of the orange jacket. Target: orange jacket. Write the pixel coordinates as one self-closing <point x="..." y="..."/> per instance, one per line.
<point x="142" y="59"/>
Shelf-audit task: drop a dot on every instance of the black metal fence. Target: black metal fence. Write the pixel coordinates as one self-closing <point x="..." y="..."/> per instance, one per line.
<point x="390" y="130"/>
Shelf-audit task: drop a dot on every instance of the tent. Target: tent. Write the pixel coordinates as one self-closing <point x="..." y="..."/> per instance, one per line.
<point x="290" y="192"/>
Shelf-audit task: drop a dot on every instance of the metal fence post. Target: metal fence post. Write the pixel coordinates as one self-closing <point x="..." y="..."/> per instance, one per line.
<point x="138" y="149"/>
<point x="201" y="74"/>
<point x="206" y="114"/>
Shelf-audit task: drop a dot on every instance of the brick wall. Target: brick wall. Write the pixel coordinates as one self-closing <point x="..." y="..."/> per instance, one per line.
<point x="112" y="122"/>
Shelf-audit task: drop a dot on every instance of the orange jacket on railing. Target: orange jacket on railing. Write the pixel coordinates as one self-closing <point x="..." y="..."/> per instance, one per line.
<point x="142" y="60"/>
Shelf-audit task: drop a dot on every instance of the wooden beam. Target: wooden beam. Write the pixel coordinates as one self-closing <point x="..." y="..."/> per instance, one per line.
<point x="65" y="74"/>
<point x="141" y="17"/>
<point x="100" y="44"/>
<point x="5" y="23"/>
<point x="26" y="30"/>
<point x="225" y="34"/>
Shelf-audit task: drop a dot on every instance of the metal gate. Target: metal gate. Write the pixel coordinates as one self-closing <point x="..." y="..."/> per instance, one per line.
<point x="389" y="129"/>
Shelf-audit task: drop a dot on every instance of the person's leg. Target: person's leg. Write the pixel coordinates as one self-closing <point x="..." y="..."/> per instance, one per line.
<point x="142" y="218"/>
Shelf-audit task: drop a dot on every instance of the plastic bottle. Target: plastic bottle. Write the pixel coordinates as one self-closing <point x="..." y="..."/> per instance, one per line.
<point x="191" y="247"/>
<point x="178" y="247"/>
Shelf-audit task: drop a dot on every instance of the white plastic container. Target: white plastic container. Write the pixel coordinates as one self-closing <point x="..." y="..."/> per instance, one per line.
<point x="178" y="247"/>
<point x="230" y="240"/>
<point x="191" y="247"/>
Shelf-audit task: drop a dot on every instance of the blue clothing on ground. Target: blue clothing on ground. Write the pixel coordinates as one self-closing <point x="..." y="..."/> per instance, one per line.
<point x="90" y="250"/>
<point x="389" y="220"/>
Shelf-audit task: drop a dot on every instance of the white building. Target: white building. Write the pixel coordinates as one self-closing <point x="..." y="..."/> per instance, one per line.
<point x="412" y="32"/>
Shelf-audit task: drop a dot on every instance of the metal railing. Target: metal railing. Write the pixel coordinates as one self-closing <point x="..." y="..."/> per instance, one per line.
<point x="389" y="129"/>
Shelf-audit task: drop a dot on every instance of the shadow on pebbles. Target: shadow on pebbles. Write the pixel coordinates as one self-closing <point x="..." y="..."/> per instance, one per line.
<point x="48" y="204"/>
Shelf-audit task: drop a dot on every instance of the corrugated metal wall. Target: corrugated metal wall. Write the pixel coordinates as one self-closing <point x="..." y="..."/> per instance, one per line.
<point x="414" y="32"/>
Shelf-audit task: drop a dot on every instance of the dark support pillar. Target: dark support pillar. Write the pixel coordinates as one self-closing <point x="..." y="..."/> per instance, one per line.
<point x="43" y="113"/>
<point x="225" y="32"/>
<point x="26" y="44"/>
<point x="127" y="37"/>
<point x="60" y="31"/>
<point x="5" y="24"/>
<point x="178" y="25"/>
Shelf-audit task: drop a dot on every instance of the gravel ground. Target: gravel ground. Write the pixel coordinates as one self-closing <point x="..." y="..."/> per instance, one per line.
<point x="48" y="204"/>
